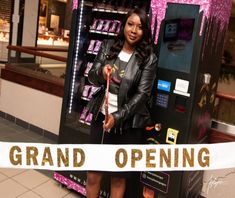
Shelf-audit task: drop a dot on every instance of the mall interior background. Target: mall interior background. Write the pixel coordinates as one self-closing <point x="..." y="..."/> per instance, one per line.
<point x="46" y="24"/>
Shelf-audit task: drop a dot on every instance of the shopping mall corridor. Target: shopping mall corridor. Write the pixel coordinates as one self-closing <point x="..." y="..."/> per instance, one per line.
<point x="23" y="183"/>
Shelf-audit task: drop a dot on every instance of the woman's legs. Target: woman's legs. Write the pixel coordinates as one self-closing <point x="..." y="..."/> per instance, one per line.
<point x="93" y="184"/>
<point x="118" y="187"/>
<point x="119" y="180"/>
<point x="94" y="178"/>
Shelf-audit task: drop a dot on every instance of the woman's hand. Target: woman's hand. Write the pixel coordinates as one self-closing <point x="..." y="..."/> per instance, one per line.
<point x="106" y="69"/>
<point x="109" y="122"/>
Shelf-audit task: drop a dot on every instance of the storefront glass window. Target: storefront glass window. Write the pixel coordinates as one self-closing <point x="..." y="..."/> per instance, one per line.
<point x="54" y="22"/>
<point x="5" y="13"/>
<point x="228" y="61"/>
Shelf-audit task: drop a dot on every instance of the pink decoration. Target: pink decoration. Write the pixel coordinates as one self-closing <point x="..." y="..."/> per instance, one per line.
<point x="220" y="9"/>
<point x="69" y="183"/>
<point x="75" y="4"/>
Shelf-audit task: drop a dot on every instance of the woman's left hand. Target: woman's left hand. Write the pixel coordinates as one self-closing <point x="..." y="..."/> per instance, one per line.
<point x="109" y="122"/>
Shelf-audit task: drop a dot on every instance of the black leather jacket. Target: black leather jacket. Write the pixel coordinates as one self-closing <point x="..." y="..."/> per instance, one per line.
<point x="134" y="90"/>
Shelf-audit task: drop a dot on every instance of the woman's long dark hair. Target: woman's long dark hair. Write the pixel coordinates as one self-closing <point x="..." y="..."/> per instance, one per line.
<point x="143" y="47"/>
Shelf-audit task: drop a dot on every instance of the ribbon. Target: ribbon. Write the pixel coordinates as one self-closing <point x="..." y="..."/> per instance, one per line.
<point x="109" y="70"/>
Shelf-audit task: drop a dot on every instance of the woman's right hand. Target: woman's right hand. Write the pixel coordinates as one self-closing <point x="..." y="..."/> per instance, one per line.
<point x="106" y="70"/>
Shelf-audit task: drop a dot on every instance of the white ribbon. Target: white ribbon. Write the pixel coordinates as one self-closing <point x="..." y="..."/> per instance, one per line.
<point x="117" y="157"/>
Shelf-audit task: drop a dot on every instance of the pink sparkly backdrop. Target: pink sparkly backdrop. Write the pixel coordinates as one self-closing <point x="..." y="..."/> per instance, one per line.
<point x="69" y="183"/>
<point x="75" y="4"/>
<point x="218" y="8"/>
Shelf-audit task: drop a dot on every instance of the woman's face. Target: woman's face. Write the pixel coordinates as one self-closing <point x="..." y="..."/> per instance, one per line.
<point x="133" y="31"/>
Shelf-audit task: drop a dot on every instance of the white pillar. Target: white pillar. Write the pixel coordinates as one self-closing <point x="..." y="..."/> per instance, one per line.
<point x="30" y="24"/>
<point x="15" y="22"/>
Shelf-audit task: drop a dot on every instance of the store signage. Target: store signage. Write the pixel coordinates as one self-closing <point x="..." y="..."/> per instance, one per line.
<point x="156" y="180"/>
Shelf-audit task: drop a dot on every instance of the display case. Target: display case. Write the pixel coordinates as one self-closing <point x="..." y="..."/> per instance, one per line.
<point x="92" y="22"/>
<point x="51" y="39"/>
<point x="54" y="22"/>
<point x="95" y="23"/>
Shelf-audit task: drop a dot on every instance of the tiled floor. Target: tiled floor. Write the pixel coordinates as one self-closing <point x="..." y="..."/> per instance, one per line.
<point x="28" y="183"/>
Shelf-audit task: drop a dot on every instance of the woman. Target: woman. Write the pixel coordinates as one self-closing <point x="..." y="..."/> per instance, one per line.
<point x="132" y="62"/>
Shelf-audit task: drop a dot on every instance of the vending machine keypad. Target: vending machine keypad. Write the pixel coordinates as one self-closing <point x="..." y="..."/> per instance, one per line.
<point x="162" y="100"/>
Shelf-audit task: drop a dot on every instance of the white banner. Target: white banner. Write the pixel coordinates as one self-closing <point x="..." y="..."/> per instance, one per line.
<point x="117" y="157"/>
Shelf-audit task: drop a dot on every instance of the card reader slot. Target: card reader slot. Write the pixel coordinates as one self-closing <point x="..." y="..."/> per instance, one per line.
<point x="180" y="104"/>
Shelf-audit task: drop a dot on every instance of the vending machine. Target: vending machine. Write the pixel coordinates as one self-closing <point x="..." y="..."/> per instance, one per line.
<point x="189" y="36"/>
<point x="92" y="22"/>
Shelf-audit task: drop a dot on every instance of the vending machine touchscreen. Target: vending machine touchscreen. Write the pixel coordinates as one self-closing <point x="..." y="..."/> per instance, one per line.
<point x="178" y="29"/>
